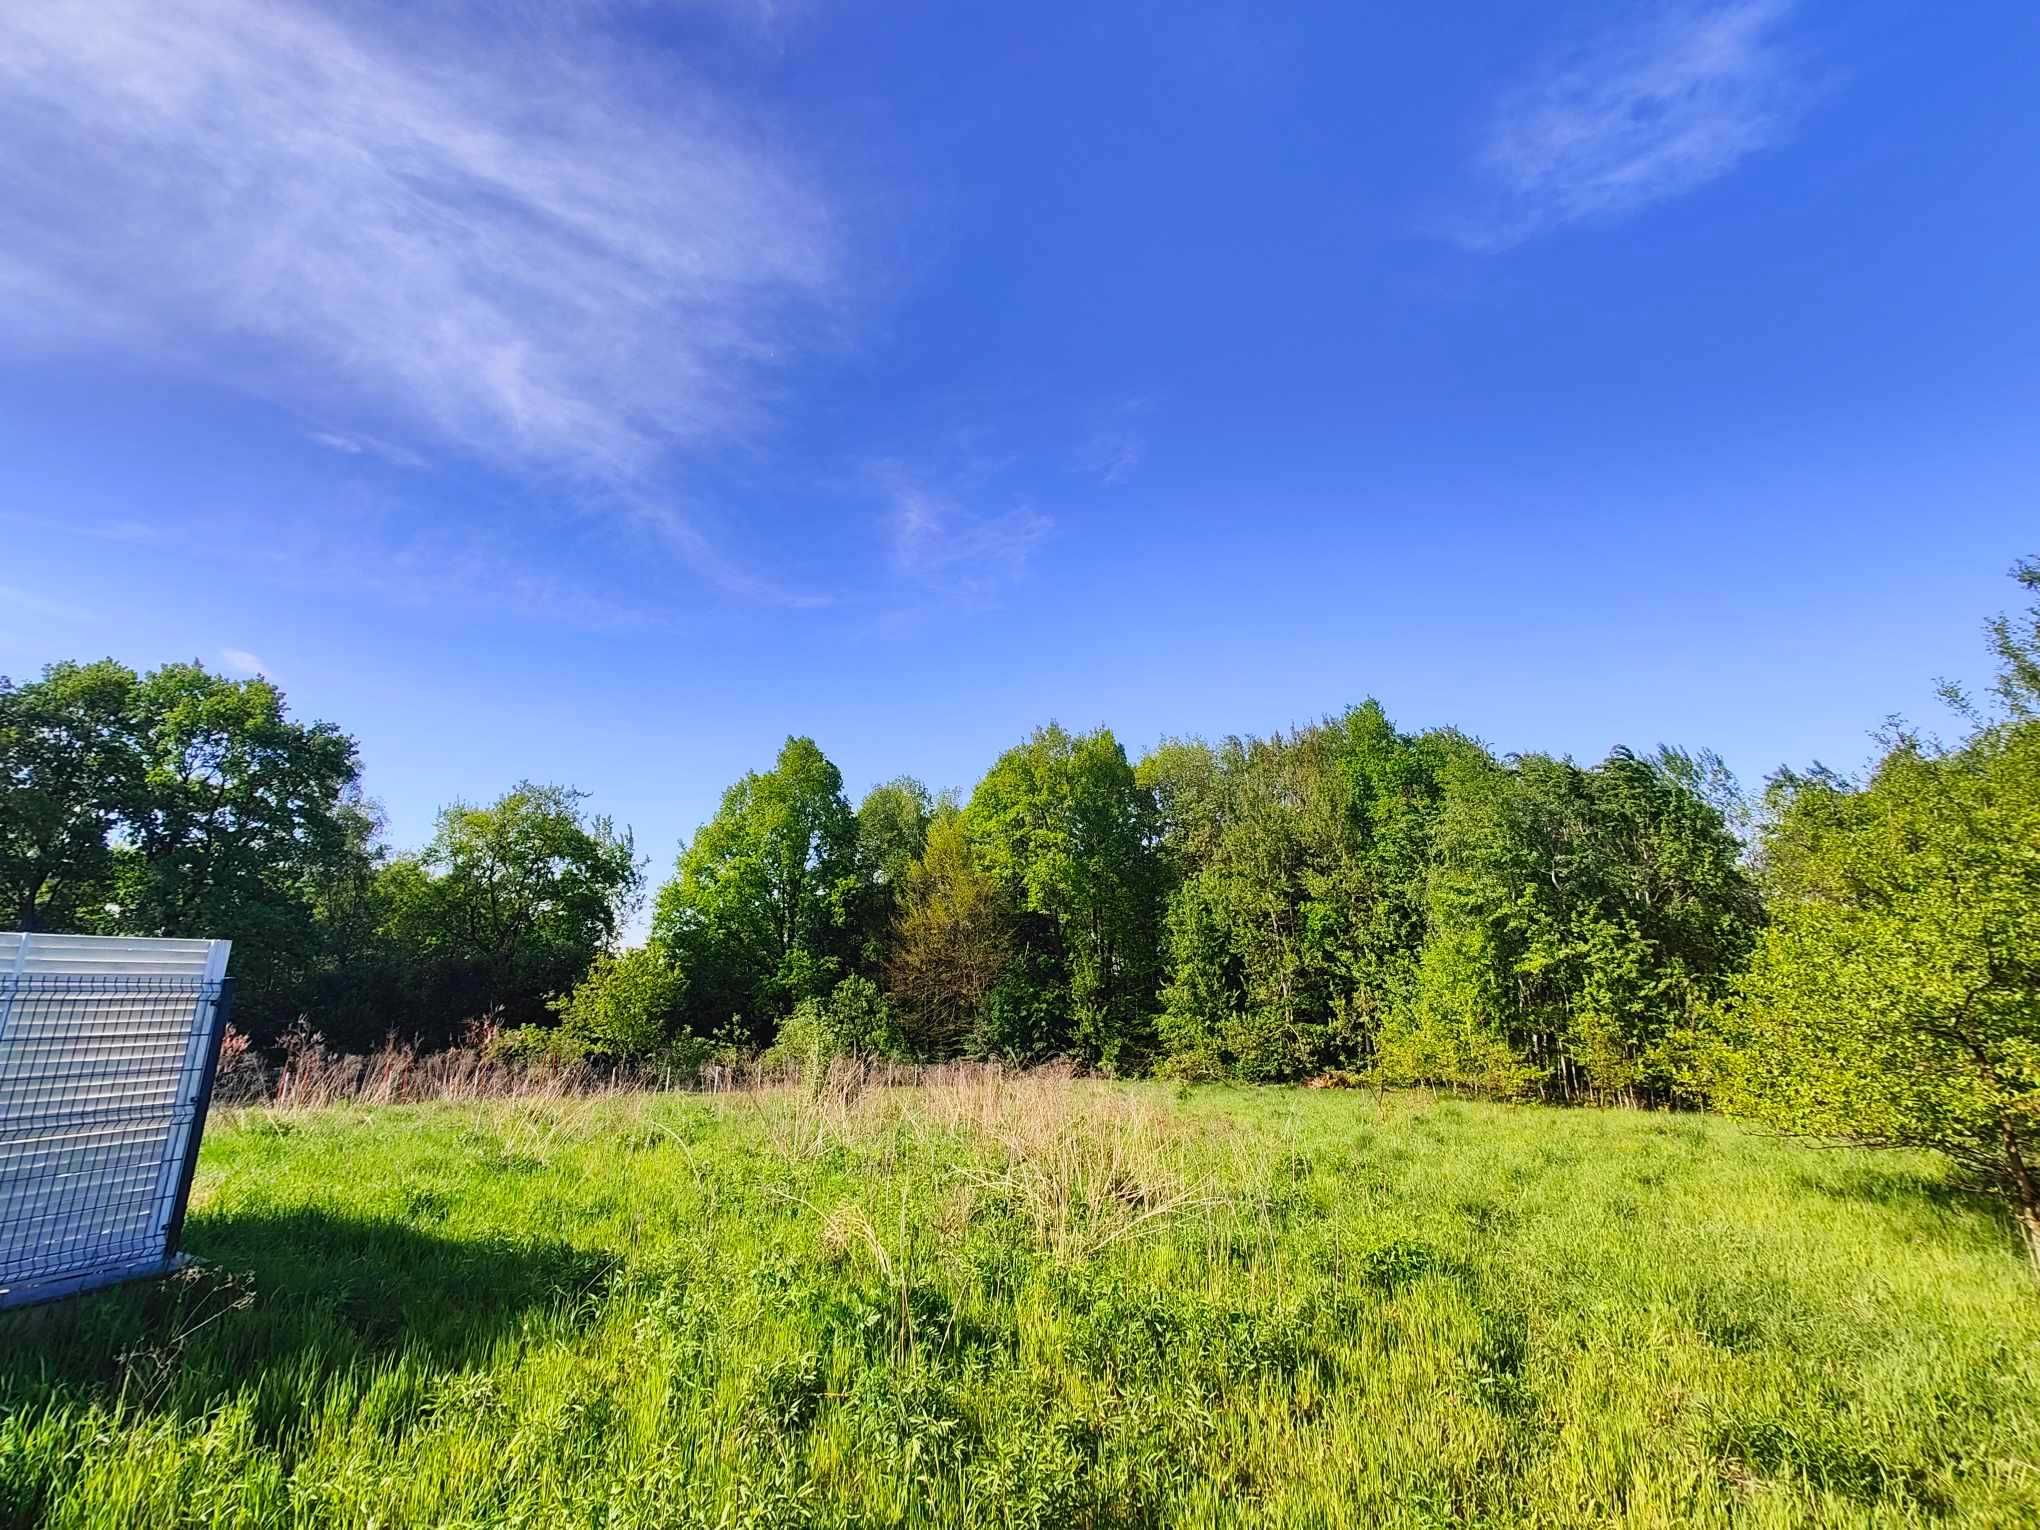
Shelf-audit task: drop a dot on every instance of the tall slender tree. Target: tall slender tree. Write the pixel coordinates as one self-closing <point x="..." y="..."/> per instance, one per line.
<point x="1063" y="822"/>
<point x="759" y="913"/>
<point x="952" y="944"/>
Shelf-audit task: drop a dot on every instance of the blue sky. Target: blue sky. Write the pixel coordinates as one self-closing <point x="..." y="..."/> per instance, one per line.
<point x="599" y="392"/>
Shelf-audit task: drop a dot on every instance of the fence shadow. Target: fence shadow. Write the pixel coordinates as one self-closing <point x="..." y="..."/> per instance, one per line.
<point x="280" y="1300"/>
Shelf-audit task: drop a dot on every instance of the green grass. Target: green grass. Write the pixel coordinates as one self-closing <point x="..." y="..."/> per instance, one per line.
<point x="1046" y="1303"/>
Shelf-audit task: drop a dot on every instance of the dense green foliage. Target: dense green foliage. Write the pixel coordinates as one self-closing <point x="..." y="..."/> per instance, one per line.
<point x="761" y="912"/>
<point x="622" y="1010"/>
<point x="1298" y="921"/>
<point x="176" y="803"/>
<point x="182" y="803"/>
<point x="952" y="1306"/>
<point x="1063" y="825"/>
<point x="953" y="941"/>
<point x="72" y="769"/>
<point x="1344" y="900"/>
<point x="1578" y="923"/>
<point x="852" y="1022"/>
<point x="892" y="834"/>
<point x="510" y="902"/>
<point x="1352" y="898"/>
<point x="1895" y="997"/>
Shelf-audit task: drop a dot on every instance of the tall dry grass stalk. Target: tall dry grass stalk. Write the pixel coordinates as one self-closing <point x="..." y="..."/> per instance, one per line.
<point x="310" y="1076"/>
<point x="1085" y="1163"/>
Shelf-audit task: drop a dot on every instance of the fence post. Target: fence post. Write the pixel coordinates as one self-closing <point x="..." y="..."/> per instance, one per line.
<point x="10" y="984"/>
<point x="209" y="1067"/>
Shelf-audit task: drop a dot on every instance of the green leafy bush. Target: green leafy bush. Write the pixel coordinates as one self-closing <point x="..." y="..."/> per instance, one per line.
<point x="622" y="1010"/>
<point x="854" y="1021"/>
<point x="522" y="1044"/>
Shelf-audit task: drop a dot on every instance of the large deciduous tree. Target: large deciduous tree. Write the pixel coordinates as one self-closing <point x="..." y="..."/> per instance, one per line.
<point x="951" y="946"/>
<point x="70" y="769"/>
<point x="239" y="807"/>
<point x="1064" y="824"/>
<point x="177" y="803"/>
<point x="760" y="911"/>
<point x="1894" y="998"/>
<point x="511" y="902"/>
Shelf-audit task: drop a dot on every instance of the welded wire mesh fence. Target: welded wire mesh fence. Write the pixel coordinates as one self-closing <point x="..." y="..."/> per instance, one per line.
<point x="104" y="1080"/>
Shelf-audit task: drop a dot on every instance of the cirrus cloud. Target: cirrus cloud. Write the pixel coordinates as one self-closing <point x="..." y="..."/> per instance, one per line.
<point x="937" y="540"/>
<point x="535" y="248"/>
<point x="1640" y="114"/>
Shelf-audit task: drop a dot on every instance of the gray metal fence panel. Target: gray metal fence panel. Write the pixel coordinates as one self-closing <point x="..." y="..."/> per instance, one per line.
<point x="108" y="1048"/>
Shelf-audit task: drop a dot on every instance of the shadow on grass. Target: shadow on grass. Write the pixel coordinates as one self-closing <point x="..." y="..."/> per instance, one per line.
<point x="281" y="1299"/>
<point x="1907" y="1189"/>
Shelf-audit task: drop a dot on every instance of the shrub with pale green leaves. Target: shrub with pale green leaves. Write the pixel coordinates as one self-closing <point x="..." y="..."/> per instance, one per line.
<point x="854" y="1021"/>
<point x="1894" y="998"/>
<point x="622" y="1011"/>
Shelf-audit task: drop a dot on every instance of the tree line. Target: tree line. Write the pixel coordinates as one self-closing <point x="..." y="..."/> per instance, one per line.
<point x="1854" y="957"/>
<point x="181" y="802"/>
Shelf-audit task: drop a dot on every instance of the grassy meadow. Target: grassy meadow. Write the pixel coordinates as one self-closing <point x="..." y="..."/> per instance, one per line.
<point x="1038" y="1301"/>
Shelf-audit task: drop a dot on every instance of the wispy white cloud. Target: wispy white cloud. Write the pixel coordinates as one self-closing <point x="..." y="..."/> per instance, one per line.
<point x="1112" y="455"/>
<point x="531" y="250"/>
<point x="463" y="576"/>
<point x="935" y="539"/>
<point x="41" y="608"/>
<point x="358" y="444"/>
<point x="684" y="540"/>
<point x="242" y="662"/>
<point x="1640" y="114"/>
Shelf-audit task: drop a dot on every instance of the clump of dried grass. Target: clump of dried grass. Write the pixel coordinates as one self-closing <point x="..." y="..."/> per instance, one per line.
<point x="307" y="1074"/>
<point x="193" y="1298"/>
<point x="1084" y="1163"/>
<point x="311" y="1075"/>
